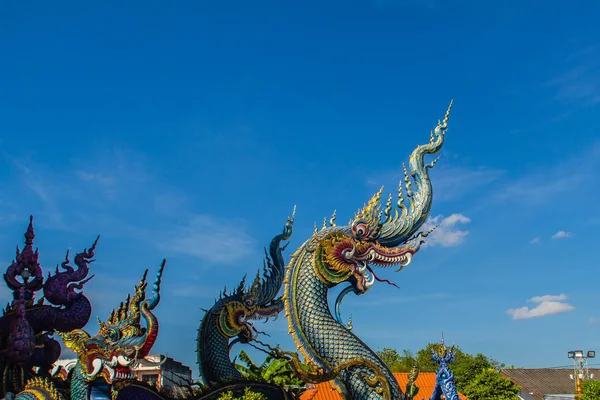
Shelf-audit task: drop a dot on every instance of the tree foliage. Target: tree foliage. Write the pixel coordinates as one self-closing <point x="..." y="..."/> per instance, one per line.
<point x="591" y="390"/>
<point x="275" y="371"/>
<point x="490" y="385"/>
<point x="248" y="395"/>
<point x="465" y="366"/>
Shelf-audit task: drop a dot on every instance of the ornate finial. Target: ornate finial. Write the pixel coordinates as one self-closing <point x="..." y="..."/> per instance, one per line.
<point x="28" y="259"/>
<point x="315" y="229"/>
<point x="332" y="219"/>
<point x="388" y="208"/>
<point x="444" y="124"/>
<point x="25" y="271"/>
<point x="414" y="204"/>
<point x="324" y="223"/>
<point x="30" y="234"/>
<point x="240" y="287"/>
<point x="127" y="317"/>
<point x="371" y="212"/>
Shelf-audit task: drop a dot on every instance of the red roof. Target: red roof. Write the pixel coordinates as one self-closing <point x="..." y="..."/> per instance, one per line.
<point x="425" y="382"/>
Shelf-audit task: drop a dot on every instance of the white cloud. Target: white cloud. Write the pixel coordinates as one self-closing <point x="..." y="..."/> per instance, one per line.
<point x="211" y="239"/>
<point x="548" y="297"/>
<point x="535" y="240"/>
<point x="546" y="305"/>
<point x="446" y="234"/>
<point x="561" y="235"/>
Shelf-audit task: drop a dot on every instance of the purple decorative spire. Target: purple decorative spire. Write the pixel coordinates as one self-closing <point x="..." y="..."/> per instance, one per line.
<point x="25" y="271"/>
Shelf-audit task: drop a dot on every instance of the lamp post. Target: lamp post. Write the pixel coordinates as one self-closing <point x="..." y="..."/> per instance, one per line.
<point x="581" y="370"/>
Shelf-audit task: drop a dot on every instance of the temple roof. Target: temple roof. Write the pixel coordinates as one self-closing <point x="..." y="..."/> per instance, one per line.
<point x="542" y="381"/>
<point x="425" y="382"/>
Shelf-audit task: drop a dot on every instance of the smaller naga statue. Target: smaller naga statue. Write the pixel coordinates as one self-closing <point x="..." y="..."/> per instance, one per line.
<point x="27" y="325"/>
<point x="230" y="321"/>
<point x="445" y="389"/>
<point x="103" y="369"/>
<point x="411" y="388"/>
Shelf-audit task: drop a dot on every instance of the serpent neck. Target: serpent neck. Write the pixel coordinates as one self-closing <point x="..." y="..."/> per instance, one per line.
<point x="321" y="339"/>
<point x="79" y="386"/>
<point x="213" y="353"/>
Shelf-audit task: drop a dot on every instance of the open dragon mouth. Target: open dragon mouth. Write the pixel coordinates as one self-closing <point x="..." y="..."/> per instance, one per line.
<point x="122" y="374"/>
<point x="382" y="258"/>
<point x="262" y="314"/>
<point x="115" y="369"/>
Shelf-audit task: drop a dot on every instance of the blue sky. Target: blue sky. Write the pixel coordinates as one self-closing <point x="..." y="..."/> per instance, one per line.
<point x="189" y="130"/>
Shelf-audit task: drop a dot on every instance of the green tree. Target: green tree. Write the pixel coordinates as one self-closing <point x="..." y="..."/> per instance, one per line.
<point x="389" y="356"/>
<point x="465" y="366"/>
<point x="469" y="367"/>
<point x="591" y="390"/>
<point x="397" y="362"/>
<point x="248" y="395"/>
<point x="490" y="385"/>
<point x="275" y="371"/>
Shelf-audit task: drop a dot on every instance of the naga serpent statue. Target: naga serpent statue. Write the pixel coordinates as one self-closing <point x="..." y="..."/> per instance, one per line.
<point x="104" y="361"/>
<point x="27" y="325"/>
<point x="229" y="322"/>
<point x="411" y="388"/>
<point x="445" y="389"/>
<point x="338" y="254"/>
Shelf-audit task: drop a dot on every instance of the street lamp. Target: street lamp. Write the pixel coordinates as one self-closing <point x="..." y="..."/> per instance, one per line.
<point x="580" y="365"/>
<point x="591" y="354"/>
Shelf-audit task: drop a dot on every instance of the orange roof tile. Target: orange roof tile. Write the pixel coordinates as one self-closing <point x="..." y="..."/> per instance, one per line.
<point x="425" y="382"/>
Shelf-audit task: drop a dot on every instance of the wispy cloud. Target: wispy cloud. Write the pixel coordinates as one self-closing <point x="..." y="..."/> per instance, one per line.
<point x="117" y="178"/>
<point x="546" y="305"/>
<point x="451" y="182"/>
<point x="114" y="189"/>
<point x="40" y="186"/>
<point x="550" y="182"/>
<point x="447" y="234"/>
<point x="535" y="240"/>
<point x="211" y="239"/>
<point x="192" y="291"/>
<point x="593" y="321"/>
<point x="562" y="235"/>
<point x="579" y="83"/>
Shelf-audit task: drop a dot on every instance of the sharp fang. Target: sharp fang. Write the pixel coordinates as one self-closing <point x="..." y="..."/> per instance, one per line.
<point x="362" y="268"/>
<point x="111" y="373"/>
<point x="113" y="361"/>
<point x="97" y="365"/>
<point x="123" y="361"/>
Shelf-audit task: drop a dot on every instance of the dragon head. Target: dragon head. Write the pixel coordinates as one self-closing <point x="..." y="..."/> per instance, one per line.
<point x="376" y="237"/>
<point x="243" y="307"/>
<point x="121" y="340"/>
<point x="259" y="301"/>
